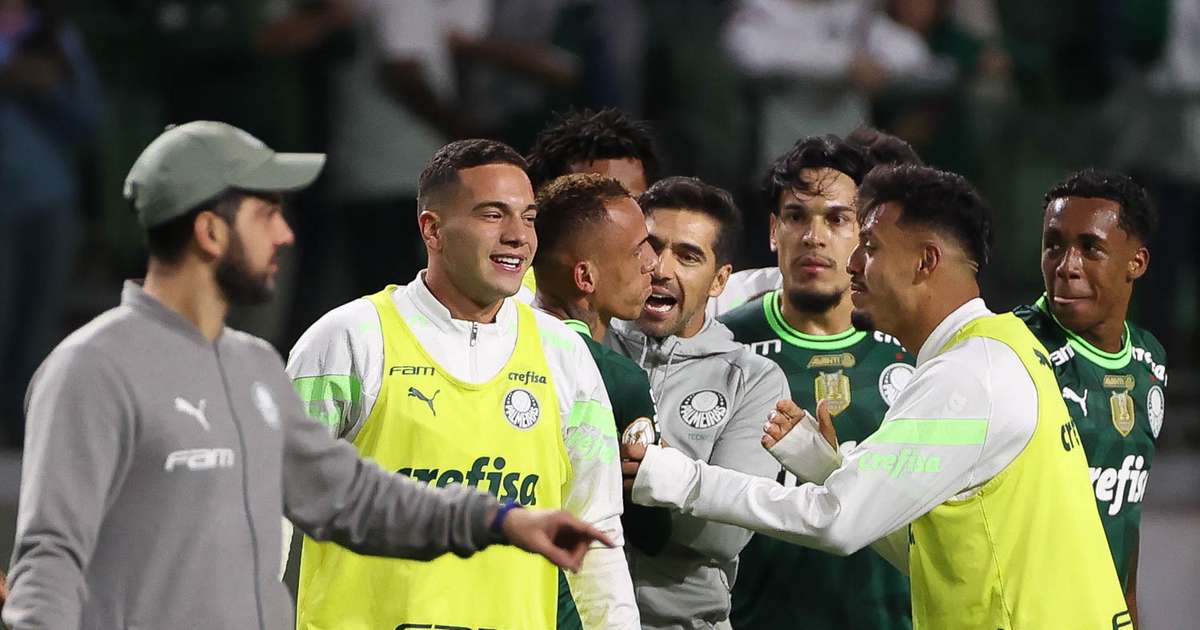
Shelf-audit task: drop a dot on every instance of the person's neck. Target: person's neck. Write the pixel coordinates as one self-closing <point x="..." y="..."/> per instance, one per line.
<point x="940" y="304"/>
<point x="695" y="324"/>
<point x="577" y="308"/>
<point x="191" y="290"/>
<point x="1109" y="334"/>
<point x="833" y="321"/>
<point x="455" y="301"/>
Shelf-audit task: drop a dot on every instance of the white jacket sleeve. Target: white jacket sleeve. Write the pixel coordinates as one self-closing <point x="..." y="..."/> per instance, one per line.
<point x="337" y="367"/>
<point x="603" y="589"/>
<point x="328" y="366"/>
<point x="946" y="434"/>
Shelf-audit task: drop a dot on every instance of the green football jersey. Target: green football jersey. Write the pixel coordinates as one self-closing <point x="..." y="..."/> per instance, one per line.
<point x="780" y="585"/>
<point x="1117" y="401"/>
<point x="628" y="390"/>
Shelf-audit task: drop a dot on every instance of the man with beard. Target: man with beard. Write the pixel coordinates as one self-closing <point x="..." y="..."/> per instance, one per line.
<point x="162" y="446"/>
<point x="805" y="329"/>
<point x="593" y="264"/>
<point x="448" y="380"/>
<point x="1112" y="372"/>
<point x="712" y="395"/>
<point x="749" y="284"/>
<point x="975" y="480"/>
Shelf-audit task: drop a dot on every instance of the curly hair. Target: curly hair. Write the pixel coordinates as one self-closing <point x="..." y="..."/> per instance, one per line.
<point x="1138" y="216"/>
<point x="813" y="152"/>
<point x="608" y="134"/>
<point x="883" y="148"/>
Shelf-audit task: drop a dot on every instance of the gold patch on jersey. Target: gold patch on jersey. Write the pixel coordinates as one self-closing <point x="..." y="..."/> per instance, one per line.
<point x="835" y="388"/>
<point x="1120" y="403"/>
<point x="843" y="360"/>
<point x="1119" y="381"/>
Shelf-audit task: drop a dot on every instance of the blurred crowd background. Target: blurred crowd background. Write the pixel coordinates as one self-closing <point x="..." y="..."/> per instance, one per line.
<point x="1013" y="94"/>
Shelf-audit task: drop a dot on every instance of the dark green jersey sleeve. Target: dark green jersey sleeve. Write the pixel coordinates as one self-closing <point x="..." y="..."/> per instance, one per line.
<point x="647" y="528"/>
<point x="1117" y="401"/>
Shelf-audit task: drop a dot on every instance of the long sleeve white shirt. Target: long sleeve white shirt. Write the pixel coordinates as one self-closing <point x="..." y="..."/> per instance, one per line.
<point x="348" y="342"/>
<point x="890" y="479"/>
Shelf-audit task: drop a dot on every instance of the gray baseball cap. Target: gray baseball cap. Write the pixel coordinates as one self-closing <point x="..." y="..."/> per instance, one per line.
<point x="191" y="163"/>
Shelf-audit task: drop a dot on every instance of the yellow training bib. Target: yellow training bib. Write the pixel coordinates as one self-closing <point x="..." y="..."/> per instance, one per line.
<point x="503" y="436"/>
<point x="1026" y="552"/>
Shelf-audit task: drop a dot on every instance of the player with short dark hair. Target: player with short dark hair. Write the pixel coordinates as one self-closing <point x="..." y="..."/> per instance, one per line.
<point x="855" y="156"/>
<point x="442" y="173"/>
<point x="449" y="381"/>
<point x="883" y="148"/>
<point x="804" y="327"/>
<point x="593" y="265"/>
<point x="607" y="142"/>
<point x="976" y="462"/>
<point x="712" y="395"/>
<point x="1095" y="230"/>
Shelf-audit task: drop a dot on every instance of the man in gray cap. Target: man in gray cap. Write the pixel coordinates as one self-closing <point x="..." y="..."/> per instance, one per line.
<point x="161" y="445"/>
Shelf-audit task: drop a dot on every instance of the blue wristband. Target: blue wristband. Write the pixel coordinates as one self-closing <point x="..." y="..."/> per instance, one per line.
<point x="506" y="506"/>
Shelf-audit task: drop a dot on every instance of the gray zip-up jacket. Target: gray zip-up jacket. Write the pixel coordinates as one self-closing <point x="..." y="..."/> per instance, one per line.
<point x="713" y="396"/>
<point x="157" y="465"/>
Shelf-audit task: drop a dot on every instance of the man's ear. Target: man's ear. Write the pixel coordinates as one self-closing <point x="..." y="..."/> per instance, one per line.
<point x="719" y="280"/>
<point x="773" y="223"/>
<point x="430" y="226"/>
<point x="585" y="274"/>
<point x="1138" y="264"/>
<point x="212" y="234"/>
<point x="931" y="258"/>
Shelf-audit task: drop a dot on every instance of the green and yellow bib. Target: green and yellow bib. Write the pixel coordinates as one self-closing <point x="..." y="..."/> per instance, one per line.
<point x="503" y="436"/>
<point x="1027" y="551"/>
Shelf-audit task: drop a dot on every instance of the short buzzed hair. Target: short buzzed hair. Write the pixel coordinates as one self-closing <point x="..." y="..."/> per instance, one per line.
<point x="570" y="205"/>
<point x="939" y="200"/>
<point x="442" y="170"/>
<point x="690" y="193"/>
<point x="586" y="136"/>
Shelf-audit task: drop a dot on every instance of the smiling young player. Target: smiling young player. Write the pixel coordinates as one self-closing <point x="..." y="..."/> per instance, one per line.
<point x="449" y="380"/>
<point x="1112" y="373"/>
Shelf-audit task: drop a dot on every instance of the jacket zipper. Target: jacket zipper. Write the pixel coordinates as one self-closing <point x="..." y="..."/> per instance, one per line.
<point x="474" y="340"/>
<point x="237" y="424"/>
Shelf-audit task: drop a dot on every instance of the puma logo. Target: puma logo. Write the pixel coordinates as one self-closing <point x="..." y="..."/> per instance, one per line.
<point x="413" y="392"/>
<point x="184" y="406"/>
<point x="1069" y="394"/>
<point x="1042" y="358"/>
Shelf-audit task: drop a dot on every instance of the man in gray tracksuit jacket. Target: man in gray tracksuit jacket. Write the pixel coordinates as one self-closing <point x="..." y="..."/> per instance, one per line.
<point x="162" y="447"/>
<point x="713" y="396"/>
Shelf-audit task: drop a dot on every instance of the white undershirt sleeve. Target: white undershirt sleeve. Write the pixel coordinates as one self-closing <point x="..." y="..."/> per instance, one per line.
<point x="950" y="431"/>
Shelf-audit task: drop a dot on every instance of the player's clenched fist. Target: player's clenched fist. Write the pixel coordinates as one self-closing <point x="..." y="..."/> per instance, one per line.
<point x="787" y="415"/>
<point x="631" y="461"/>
